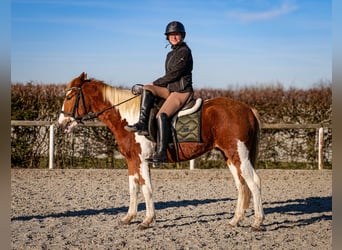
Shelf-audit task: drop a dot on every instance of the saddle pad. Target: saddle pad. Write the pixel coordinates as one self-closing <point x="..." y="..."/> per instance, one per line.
<point x="188" y="127"/>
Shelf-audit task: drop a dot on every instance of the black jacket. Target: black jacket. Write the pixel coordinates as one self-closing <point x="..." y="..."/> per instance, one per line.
<point x="178" y="70"/>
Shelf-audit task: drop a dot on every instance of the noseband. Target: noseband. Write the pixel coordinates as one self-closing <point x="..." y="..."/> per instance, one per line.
<point x="79" y="97"/>
<point x="89" y="115"/>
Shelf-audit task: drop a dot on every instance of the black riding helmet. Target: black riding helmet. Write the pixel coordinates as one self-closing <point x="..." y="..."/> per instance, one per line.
<point x="175" y="26"/>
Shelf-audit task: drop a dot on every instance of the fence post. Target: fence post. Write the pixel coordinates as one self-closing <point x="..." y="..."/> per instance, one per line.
<point x="320" y="148"/>
<point x="192" y="164"/>
<point x="51" y="147"/>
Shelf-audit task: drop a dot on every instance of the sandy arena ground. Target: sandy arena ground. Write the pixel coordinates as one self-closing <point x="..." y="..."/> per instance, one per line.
<point x="80" y="209"/>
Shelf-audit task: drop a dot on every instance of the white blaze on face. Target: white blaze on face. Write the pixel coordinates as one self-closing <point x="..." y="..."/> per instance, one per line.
<point x="66" y="121"/>
<point x="61" y="117"/>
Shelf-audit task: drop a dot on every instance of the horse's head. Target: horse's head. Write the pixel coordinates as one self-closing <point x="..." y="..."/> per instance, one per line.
<point x="74" y="106"/>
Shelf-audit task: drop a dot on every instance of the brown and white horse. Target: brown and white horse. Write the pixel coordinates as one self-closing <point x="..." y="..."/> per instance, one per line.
<point x="228" y="125"/>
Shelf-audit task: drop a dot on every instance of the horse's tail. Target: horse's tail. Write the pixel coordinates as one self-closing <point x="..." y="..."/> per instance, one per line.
<point x="255" y="146"/>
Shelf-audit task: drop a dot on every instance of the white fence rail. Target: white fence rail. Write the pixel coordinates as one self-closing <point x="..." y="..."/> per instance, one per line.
<point x="192" y="162"/>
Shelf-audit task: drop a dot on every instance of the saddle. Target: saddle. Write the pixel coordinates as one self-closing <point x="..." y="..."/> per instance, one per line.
<point x="185" y="124"/>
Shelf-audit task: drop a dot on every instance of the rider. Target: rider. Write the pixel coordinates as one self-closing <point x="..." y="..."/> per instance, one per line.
<point x="175" y="87"/>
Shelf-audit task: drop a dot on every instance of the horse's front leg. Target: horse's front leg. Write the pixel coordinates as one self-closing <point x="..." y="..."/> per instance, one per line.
<point x="147" y="192"/>
<point x="133" y="199"/>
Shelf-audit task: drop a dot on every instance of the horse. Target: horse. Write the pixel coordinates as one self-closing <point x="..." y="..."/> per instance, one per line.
<point x="228" y="125"/>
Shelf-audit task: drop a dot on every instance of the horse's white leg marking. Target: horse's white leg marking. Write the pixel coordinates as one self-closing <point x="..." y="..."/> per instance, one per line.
<point x="146" y="151"/>
<point x="133" y="201"/>
<point x="147" y="192"/>
<point x="239" y="210"/>
<point x="135" y="185"/>
<point x="253" y="181"/>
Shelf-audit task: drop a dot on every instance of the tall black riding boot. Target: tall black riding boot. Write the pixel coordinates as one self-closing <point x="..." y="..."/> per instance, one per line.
<point x="141" y="126"/>
<point x="162" y="140"/>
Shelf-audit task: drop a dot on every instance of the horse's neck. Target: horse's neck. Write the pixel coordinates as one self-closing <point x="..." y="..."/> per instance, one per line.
<point x="125" y="140"/>
<point x="111" y="116"/>
<point x="124" y="110"/>
<point x="126" y="104"/>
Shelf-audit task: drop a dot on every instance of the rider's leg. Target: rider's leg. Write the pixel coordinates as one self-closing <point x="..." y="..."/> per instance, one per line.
<point x="163" y="124"/>
<point x="141" y="126"/>
<point x="171" y="105"/>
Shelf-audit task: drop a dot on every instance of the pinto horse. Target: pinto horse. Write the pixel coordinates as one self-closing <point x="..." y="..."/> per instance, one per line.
<point x="228" y="125"/>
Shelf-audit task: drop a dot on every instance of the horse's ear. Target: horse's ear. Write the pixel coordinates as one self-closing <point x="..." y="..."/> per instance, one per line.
<point x="83" y="76"/>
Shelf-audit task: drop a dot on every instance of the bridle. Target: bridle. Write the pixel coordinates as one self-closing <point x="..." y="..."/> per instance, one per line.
<point x="88" y="115"/>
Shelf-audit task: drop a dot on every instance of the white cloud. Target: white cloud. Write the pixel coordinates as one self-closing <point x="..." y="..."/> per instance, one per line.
<point x="252" y="16"/>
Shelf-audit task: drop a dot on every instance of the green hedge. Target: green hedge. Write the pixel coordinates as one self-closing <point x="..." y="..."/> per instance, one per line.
<point x="96" y="146"/>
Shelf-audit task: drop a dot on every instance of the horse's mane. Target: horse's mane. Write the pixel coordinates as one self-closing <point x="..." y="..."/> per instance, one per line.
<point x="121" y="96"/>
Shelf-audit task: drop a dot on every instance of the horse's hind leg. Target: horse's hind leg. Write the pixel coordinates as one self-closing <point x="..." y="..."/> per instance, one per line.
<point x="252" y="179"/>
<point x="247" y="182"/>
<point x="243" y="195"/>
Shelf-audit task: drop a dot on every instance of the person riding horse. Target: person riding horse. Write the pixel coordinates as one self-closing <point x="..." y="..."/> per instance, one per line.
<point x="175" y="87"/>
<point x="231" y="126"/>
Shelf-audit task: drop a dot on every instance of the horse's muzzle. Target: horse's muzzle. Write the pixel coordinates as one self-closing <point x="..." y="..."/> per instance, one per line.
<point x="67" y="124"/>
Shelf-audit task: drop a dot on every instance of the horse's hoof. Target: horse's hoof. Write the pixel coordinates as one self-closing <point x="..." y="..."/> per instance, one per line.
<point x="256" y="229"/>
<point x="123" y="223"/>
<point x="143" y="226"/>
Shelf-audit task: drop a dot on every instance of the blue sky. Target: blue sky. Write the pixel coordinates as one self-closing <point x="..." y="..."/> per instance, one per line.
<point x="234" y="42"/>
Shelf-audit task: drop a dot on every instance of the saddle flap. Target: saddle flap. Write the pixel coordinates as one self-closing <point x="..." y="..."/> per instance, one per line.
<point x="186" y="123"/>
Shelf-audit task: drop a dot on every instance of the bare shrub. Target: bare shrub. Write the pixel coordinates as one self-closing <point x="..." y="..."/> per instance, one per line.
<point x="96" y="146"/>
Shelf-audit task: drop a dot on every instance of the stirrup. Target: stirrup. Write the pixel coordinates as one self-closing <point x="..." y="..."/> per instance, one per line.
<point x="137" y="127"/>
<point x="157" y="159"/>
<point x="143" y="132"/>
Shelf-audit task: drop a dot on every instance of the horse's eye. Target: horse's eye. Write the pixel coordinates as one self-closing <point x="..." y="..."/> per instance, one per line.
<point x="69" y="94"/>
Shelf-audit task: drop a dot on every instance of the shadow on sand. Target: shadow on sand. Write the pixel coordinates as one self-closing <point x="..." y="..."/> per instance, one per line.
<point x="317" y="206"/>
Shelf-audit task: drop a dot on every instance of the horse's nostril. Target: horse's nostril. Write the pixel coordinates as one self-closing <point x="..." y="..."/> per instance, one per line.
<point x="69" y="125"/>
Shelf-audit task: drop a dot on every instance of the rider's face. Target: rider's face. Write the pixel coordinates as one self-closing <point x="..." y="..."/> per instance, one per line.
<point x="175" y="38"/>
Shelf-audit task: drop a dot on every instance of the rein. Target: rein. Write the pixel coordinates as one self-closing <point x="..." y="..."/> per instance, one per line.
<point x="90" y="115"/>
